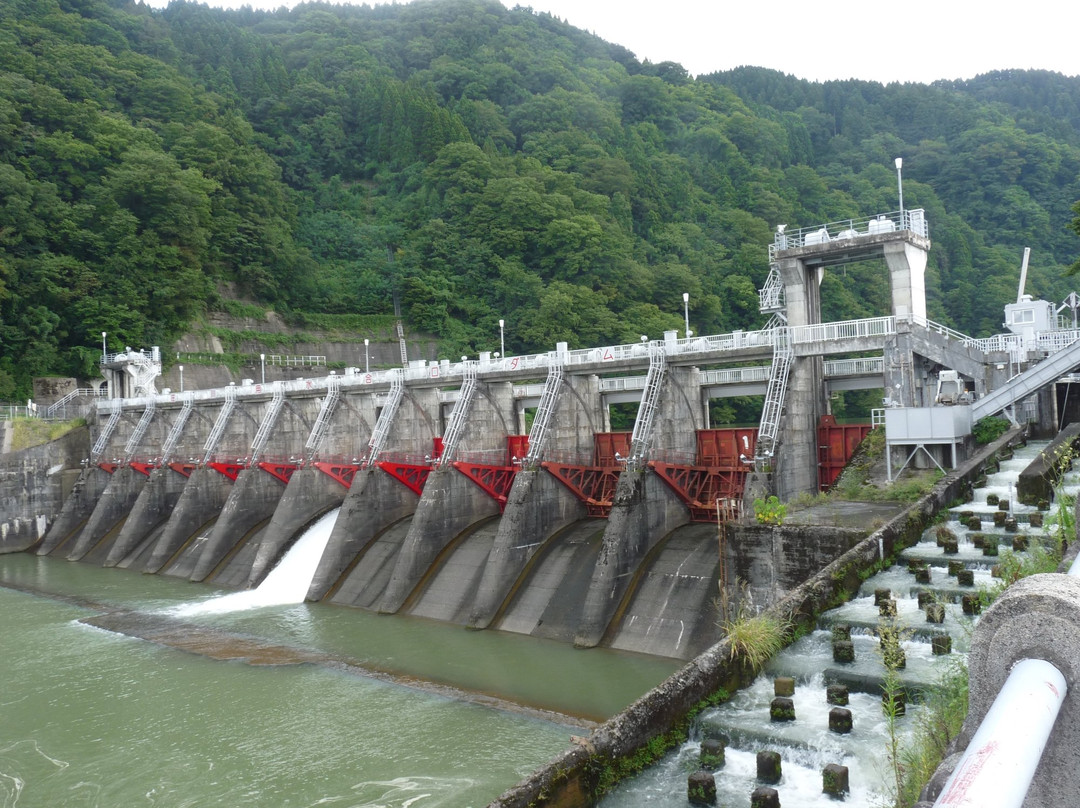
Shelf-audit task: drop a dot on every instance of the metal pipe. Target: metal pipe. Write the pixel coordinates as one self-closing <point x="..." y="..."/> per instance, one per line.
<point x="997" y="768"/>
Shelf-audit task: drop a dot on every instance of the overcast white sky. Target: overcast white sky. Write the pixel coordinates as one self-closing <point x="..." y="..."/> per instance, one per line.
<point x="914" y="40"/>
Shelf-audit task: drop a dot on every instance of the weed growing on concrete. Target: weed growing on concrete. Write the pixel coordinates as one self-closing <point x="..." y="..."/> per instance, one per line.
<point x="938" y="722"/>
<point x="770" y="511"/>
<point x="755" y="639"/>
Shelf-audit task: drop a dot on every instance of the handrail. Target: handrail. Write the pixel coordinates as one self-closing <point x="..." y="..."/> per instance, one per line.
<point x="850" y="229"/>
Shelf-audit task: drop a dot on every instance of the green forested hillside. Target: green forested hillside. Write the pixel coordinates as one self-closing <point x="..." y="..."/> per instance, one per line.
<point x="483" y="163"/>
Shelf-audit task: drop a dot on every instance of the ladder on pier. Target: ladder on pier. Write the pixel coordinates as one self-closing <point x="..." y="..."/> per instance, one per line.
<point x="650" y="398"/>
<point x="771" y="295"/>
<point x="545" y="410"/>
<point x="177" y="428"/>
<point x="140" y="428"/>
<point x="458" y="418"/>
<point x="219" y="424"/>
<point x="102" y="441"/>
<point x="775" y="395"/>
<point x="326" y="413"/>
<point x="263" y="435"/>
<point x="386" y="418"/>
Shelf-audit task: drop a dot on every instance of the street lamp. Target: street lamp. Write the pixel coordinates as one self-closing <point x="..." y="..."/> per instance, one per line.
<point x="104" y="350"/>
<point x="367" y="364"/>
<point x="181" y="377"/>
<point x="900" y="189"/>
<point x="502" y="338"/>
<point x="686" y="311"/>
<point x="262" y="362"/>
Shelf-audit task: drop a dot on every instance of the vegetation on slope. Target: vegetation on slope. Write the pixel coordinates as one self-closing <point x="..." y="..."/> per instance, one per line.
<point x="479" y="163"/>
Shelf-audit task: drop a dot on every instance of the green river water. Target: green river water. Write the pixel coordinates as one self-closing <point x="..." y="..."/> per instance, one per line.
<point x="395" y="712"/>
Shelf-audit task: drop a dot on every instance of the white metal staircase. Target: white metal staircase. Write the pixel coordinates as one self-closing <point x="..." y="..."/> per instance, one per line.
<point x="456" y="428"/>
<point x="219" y="424"/>
<point x="267" y="425"/>
<point x="102" y="441"/>
<point x="643" y="424"/>
<point x="544" y="411"/>
<point x="140" y="428"/>
<point x="775" y="394"/>
<point x="177" y="428"/>
<point x="386" y="418"/>
<point x="326" y="413"/>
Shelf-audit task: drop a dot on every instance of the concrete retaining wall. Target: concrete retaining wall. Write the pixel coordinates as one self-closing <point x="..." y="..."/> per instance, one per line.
<point x="34" y="483"/>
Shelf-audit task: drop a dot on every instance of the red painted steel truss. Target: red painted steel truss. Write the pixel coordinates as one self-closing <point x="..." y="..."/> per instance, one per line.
<point x="143" y="468"/>
<point x="183" y="468"/>
<point x="109" y="467"/>
<point x="230" y="470"/>
<point x="410" y="475"/>
<point x="593" y="485"/>
<point x="495" y="481"/>
<point x="342" y="472"/>
<point x="282" y="470"/>
<point x="700" y="487"/>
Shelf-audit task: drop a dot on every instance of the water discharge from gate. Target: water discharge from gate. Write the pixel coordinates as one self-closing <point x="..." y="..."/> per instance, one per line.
<point x="286" y="583"/>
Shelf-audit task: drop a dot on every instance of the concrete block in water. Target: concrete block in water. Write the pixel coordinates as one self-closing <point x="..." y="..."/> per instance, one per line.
<point x="941" y="644"/>
<point x="837" y="694"/>
<point x="784" y="686"/>
<point x="843" y="651"/>
<point x="935" y="613"/>
<point x="711" y="754"/>
<point x="701" y="788"/>
<point x="965" y="577"/>
<point x="834" y="780"/>
<point x="769" y="769"/>
<point x="782" y="709"/>
<point x="765" y="797"/>
<point x="840" y="720"/>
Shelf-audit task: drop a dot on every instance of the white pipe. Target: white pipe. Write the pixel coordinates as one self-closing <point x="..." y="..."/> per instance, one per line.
<point x="997" y="768"/>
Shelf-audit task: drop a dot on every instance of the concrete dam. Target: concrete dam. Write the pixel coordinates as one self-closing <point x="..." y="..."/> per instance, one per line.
<point x="492" y="493"/>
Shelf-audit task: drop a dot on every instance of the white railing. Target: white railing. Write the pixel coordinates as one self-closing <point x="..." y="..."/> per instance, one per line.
<point x="758" y="373"/>
<point x="867" y="366"/>
<point x="282" y="360"/>
<point x="844" y="330"/>
<point x="622" y="384"/>
<point x="850" y="229"/>
<point x="61" y="406"/>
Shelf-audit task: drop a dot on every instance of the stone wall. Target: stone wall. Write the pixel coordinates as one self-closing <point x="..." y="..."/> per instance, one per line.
<point x="33" y="485"/>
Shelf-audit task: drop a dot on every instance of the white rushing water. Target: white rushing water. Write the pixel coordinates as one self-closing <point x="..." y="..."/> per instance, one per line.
<point x="286" y="583"/>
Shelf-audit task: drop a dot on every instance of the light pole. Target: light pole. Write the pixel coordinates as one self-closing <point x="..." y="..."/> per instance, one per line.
<point x="900" y="189"/>
<point x="686" y="311"/>
<point x="502" y="338"/>
<point x="181" y="377"/>
<point x="367" y="364"/>
<point x="262" y="363"/>
<point x="104" y="350"/>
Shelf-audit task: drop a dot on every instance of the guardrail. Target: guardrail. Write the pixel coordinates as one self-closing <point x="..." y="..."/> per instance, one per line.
<point x="849" y="229"/>
<point x="843" y="330"/>
<point x="283" y="360"/>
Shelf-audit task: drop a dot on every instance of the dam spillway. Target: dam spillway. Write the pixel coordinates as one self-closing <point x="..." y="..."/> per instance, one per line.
<point x="493" y="493"/>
